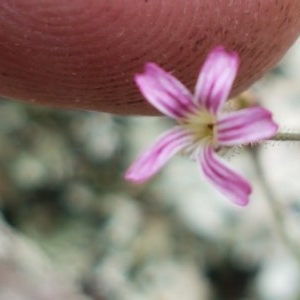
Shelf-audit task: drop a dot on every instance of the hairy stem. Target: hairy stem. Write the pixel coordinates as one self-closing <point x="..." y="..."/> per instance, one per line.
<point x="285" y="136"/>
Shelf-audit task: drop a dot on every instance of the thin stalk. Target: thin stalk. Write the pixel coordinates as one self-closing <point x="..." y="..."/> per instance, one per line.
<point x="285" y="136"/>
<point x="276" y="209"/>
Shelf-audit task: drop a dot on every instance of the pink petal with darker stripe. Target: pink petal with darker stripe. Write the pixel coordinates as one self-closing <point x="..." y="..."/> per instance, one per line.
<point x="231" y="184"/>
<point x="245" y="126"/>
<point x="216" y="79"/>
<point x="151" y="161"/>
<point x="164" y="91"/>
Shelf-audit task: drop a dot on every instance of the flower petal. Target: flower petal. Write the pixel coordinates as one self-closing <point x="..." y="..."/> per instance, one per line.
<point x="245" y="126"/>
<point x="216" y="78"/>
<point x="164" y="91"/>
<point x="153" y="159"/>
<point x="228" y="182"/>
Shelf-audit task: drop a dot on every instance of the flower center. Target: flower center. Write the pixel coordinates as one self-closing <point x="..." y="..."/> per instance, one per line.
<point x="201" y="125"/>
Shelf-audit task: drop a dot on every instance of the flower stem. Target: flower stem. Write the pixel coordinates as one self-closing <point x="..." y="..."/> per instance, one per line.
<point x="285" y="136"/>
<point x="276" y="209"/>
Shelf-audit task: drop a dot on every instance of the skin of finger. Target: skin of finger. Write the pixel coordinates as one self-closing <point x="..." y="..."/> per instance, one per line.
<point x="82" y="54"/>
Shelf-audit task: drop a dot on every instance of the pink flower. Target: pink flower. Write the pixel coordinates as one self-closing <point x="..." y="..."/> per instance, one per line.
<point x="203" y="128"/>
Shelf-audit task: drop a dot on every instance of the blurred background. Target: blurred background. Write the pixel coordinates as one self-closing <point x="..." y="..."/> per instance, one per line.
<point x="72" y="228"/>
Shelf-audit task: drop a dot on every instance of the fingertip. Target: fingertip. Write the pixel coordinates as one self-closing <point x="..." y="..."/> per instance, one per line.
<point x="84" y="53"/>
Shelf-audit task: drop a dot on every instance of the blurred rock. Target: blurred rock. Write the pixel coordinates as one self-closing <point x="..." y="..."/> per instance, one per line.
<point x="279" y="278"/>
<point x="26" y="274"/>
<point x="98" y="134"/>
